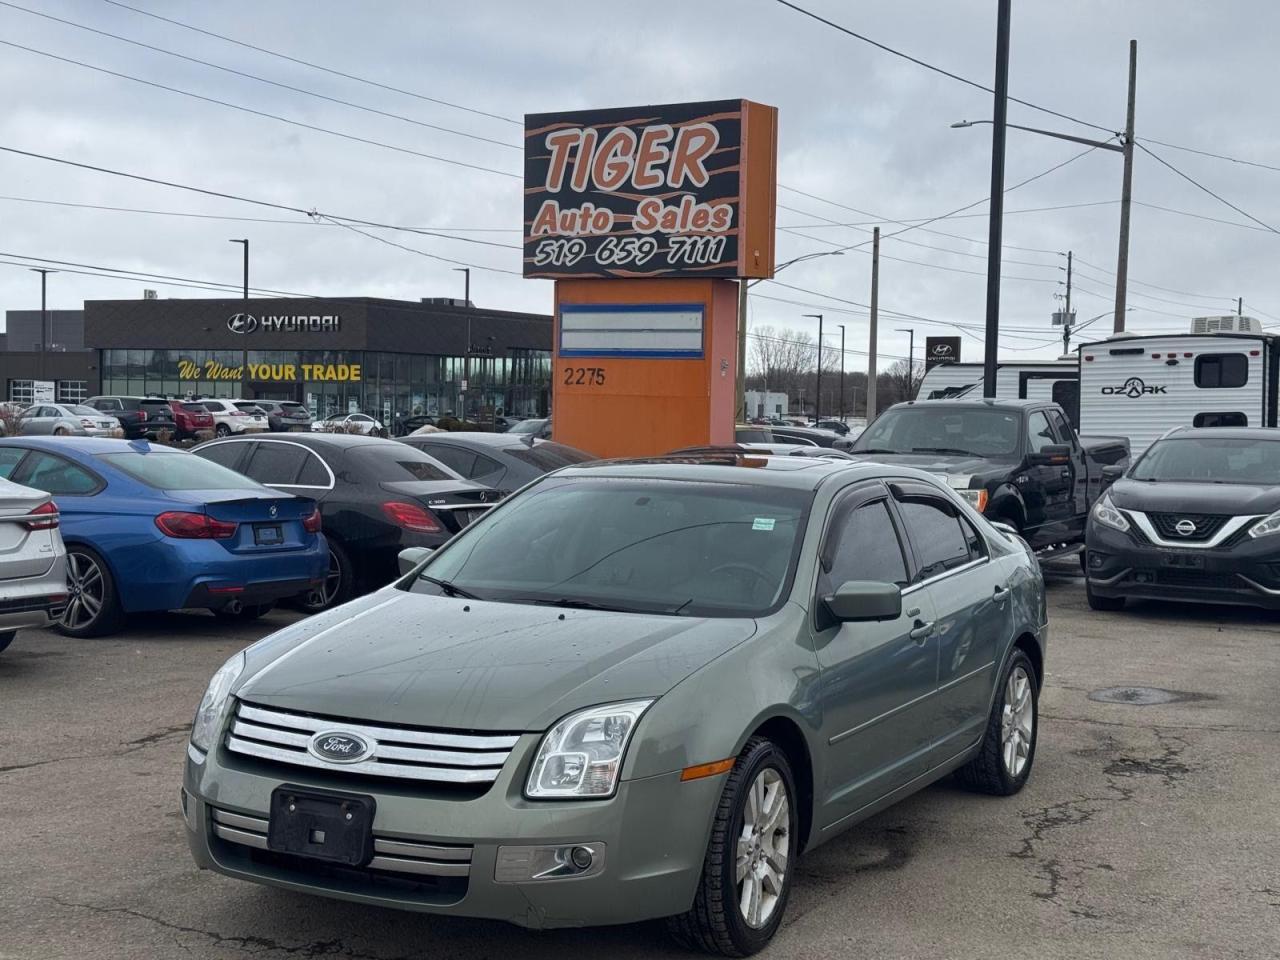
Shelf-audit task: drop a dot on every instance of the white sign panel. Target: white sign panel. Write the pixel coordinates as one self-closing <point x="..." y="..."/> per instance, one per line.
<point x="42" y="391"/>
<point x="631" y="330"/>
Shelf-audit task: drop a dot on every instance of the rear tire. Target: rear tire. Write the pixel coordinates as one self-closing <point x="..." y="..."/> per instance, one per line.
<point x="338" y="584"/>
<point x="746" y="876"/>
<point x="222" y="430"/>
<point x="93" y="608"/>
<point x="61" y="432"/>
<point x="6" y="638"/>
<point x="1097" y="602"/>
<point x="1008" y="749"/>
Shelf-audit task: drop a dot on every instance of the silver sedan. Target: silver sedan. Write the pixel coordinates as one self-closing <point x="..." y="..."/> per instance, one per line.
<point x="67" y="420"/>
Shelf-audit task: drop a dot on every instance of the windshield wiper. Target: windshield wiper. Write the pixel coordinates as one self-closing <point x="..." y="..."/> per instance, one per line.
<point x="449" y="589"/>
<point x="875" y="450"/>
<point x="571" y="602"/>
<point x="955" y="451"/>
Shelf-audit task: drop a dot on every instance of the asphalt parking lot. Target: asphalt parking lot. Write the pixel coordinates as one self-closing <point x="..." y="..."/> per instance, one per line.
<point x="1146" y="831"/>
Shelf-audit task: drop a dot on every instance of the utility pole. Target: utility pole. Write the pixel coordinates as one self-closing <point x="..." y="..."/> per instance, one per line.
<point x="466" y="353"/>
<point x="740" y="388"/>
<point x="1239" y="306"/>
<point x="1126" y="193"/>
<point x="1066" y="317"/>
<point x="875" y="317"/>
<point x="817" y="403"/>
<point x="841" y="326"/>
<point x="44" y="313"/>
<point x="996" y="226"/>
<point x="245" y="244"/>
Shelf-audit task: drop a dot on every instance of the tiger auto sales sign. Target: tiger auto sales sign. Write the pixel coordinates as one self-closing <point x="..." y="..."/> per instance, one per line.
<point x="679" y="190"/>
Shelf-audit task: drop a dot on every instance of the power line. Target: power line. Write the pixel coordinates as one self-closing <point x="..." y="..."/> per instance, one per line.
<point x="963" y="216"/>
<point x="1149" y="296"/>
<point x="433" y="231"/>
<point x="262" y="113"/>
<point x="1181" y="293"/>
<point x="255" y="77"/>
<point x="1200" y="216"/>
<point x="1206" y="153"/>
<point x="143" y="275"/>
<point x="315" y="66"/>
<point x="1201" y="186"/>
<point x="421" y="253"/>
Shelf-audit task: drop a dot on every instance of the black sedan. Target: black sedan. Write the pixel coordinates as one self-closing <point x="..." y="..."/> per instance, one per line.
<point x="376" y="497"/>
<point x="1197" y="518"/>
<point x="501" y="461"/>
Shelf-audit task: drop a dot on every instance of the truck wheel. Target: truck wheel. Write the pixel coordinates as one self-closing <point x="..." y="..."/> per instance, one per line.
<point x="1008" y="749"/>
<point x="1097" y="602"/>
<point x="746" y="876"/>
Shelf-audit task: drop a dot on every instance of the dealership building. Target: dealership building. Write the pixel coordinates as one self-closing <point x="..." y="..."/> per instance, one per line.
<point x="386" y="358"/>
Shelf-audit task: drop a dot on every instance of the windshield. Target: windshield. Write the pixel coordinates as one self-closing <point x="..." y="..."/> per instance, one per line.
<point x="548" y="456"/>
<point x="177" y="471"/>
<point x="968" y="431"/>
<point x="643" y="546"/>
<point x="527" y="426"/>
<point x="1211" y="460"/>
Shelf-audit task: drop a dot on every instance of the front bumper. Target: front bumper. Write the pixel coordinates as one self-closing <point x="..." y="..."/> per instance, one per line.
<point x="1245" y="572"/>
<point x="652" y="837"/>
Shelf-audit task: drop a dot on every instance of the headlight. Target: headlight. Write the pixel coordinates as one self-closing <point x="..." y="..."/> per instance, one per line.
<point x="1105" y="513"/>
<point x="205" y="727"/>
<point x="1266" y="526"/>
<point x="977" y="498"/>
<point x="581" y="756"/>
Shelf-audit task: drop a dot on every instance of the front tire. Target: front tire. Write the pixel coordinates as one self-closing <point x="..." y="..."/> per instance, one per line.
<point x="1098" y="602"/>
<point x="1008" y="750"/>
<point x="93" y="608"/>
<point x="746" y="876"/>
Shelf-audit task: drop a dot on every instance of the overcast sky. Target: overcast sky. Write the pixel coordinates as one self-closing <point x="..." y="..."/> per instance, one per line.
<point x="858" y="127"/>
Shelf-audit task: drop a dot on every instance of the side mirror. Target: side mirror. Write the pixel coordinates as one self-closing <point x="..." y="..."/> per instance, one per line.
<point x="1050" y="456"/>
<point x="1112" y="473"/>
<point x="1005" y="528"/>
<point x="410" y="557"/>
<point x="860" y="600"/>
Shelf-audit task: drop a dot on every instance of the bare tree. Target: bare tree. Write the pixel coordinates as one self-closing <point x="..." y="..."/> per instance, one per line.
<point x="783" y="358"/>
<point x="900" y="382"/>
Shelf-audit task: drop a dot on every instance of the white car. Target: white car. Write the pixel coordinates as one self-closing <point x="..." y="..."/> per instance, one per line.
<point x="229" y="419"/>
<point x="350" y="423"/>
<point x="33" y="561"/>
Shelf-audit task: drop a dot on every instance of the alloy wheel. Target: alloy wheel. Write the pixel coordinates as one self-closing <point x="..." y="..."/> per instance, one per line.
<point x="332" y="580"/>
<point x="87" y="589"/>
<point x="763" y="848"/>
<point x="1017" y="720"/>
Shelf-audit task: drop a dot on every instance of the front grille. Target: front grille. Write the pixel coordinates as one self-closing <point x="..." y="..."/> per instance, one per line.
<point x="438" y="756"/>
<point x="1207" y="524"/>
<point x="392" y="855"/>
<point x="1197" y="579"/>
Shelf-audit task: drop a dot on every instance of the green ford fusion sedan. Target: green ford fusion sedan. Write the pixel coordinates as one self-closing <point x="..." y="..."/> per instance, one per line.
<point x="635" y="689"/>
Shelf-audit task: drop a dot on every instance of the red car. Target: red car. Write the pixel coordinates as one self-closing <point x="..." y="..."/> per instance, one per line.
<point x="190" y="417"/>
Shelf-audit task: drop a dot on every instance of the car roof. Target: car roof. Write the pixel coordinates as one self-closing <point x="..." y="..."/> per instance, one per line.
<point x="87" y="445"/>
<point x="481" y="438"/>
<point x="343" y="440"/>
<point x="1014" y="402"/>
<point x="798" y="473"/>
<point x="1224" y="433"/>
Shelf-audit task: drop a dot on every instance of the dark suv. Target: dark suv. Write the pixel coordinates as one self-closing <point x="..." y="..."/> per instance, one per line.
<point x="140" y="417"/>
<point x="282" y="415"/>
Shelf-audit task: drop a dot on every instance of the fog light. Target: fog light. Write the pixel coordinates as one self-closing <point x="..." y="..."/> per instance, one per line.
<point x="581" y="857"/>
<point x="1096" y="560"/>
<point x="524" y="864"/>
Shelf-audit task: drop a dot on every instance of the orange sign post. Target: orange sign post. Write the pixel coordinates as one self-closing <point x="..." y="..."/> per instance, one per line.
<point x="645" y="216"/>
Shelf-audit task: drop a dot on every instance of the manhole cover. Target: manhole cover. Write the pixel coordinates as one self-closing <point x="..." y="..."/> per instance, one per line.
<point x="1142" y="696"/>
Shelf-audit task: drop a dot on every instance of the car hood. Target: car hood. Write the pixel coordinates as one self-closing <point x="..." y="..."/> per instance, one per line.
<point x="930" y="462"/>
<point x="1225" y="499"/>
<point x="404" y="658"/>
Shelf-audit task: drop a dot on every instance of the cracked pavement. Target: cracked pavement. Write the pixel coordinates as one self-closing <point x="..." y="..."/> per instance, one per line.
<point x="1146" y="831"/>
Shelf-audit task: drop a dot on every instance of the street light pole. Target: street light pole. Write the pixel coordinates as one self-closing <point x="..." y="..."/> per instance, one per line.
<point x="875" y="320"/>
<point x="44" y="313"/>
<point x="817" y="403"/>
<point x="911" y="363"/>
<point x="996" y="226"/>
<point x="466" y="353"/>
<point x="841" y="326"/>
<point x="245" y="243"/>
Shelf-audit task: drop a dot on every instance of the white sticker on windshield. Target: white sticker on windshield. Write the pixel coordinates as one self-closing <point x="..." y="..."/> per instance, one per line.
<point x="763" y="523"/>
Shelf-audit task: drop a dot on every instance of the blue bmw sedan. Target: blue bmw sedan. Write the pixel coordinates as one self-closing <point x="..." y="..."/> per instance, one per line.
<point x="148" y="527"/>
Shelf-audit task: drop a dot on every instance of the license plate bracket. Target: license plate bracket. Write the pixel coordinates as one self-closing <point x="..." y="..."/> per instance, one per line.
<point x="268" y="535"/>
<point x="1183" y="561"/>
<point x="322" y="824"/>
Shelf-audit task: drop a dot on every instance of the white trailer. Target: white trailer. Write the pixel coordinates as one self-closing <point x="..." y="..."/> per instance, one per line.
<point x="1140" y="387"/>
<point x="1022" y="381"/>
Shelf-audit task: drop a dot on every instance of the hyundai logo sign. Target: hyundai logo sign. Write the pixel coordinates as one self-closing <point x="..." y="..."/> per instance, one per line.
<point x="242" y="323"/>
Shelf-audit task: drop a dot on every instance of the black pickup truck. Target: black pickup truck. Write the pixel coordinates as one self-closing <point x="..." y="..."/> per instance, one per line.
<point x="1017" y="461"/>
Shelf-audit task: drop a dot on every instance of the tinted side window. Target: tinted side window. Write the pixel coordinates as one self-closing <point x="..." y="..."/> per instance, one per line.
<point x="1065" y="433"/>
<point x="486" y="469"/>
<point x="9" y="458"/>
<point x="1219" y="420"/>
<point x="1222" y="370"/>
<point x="455" y="458"/>
<point x="863" y="545"/>
<point x="937" y="537"/>
<point x="1039" y="434"/>
<point x="57" y="476"/>
<point x="223" y="454"/>
<point x="313" y="472"/>
<point x="278" y="463"/>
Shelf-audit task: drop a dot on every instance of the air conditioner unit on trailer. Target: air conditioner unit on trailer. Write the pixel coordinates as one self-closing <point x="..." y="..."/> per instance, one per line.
<point x="1231" y="324"/>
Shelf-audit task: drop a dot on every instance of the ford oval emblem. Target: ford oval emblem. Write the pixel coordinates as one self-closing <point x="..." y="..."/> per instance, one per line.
<point x="1185" y="527"/>
<point x="335" y="746"/>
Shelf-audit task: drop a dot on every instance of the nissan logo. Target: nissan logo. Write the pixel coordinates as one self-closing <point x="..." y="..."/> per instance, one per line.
<point x="242" y="323"/>
<point x="334" y="746"/>
<point x="1185" y="528"/>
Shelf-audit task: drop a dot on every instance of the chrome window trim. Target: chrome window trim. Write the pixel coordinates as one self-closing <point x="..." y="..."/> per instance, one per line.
<point x="946" y="573"/>
<point x="1228" y="529"/>
<point x="333" y="480"/>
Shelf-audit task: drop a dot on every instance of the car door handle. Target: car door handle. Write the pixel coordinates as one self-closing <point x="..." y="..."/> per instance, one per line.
<point x="1066" y="474"/>
<point x="913" y="612"/>
<point x="1001" y="594"/>
<point x="921" y="631"/>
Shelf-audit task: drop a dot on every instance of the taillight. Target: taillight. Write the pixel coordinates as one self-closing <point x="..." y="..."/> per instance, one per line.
<point x="142" y="414"/>
<point x="311" y="522"/>
<point x="240" y="413"/>
<point x="86" y="422"/>
<point x="194" y="526"/>
<point x="48" y="514"/>
<point x="411" y="517"/>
